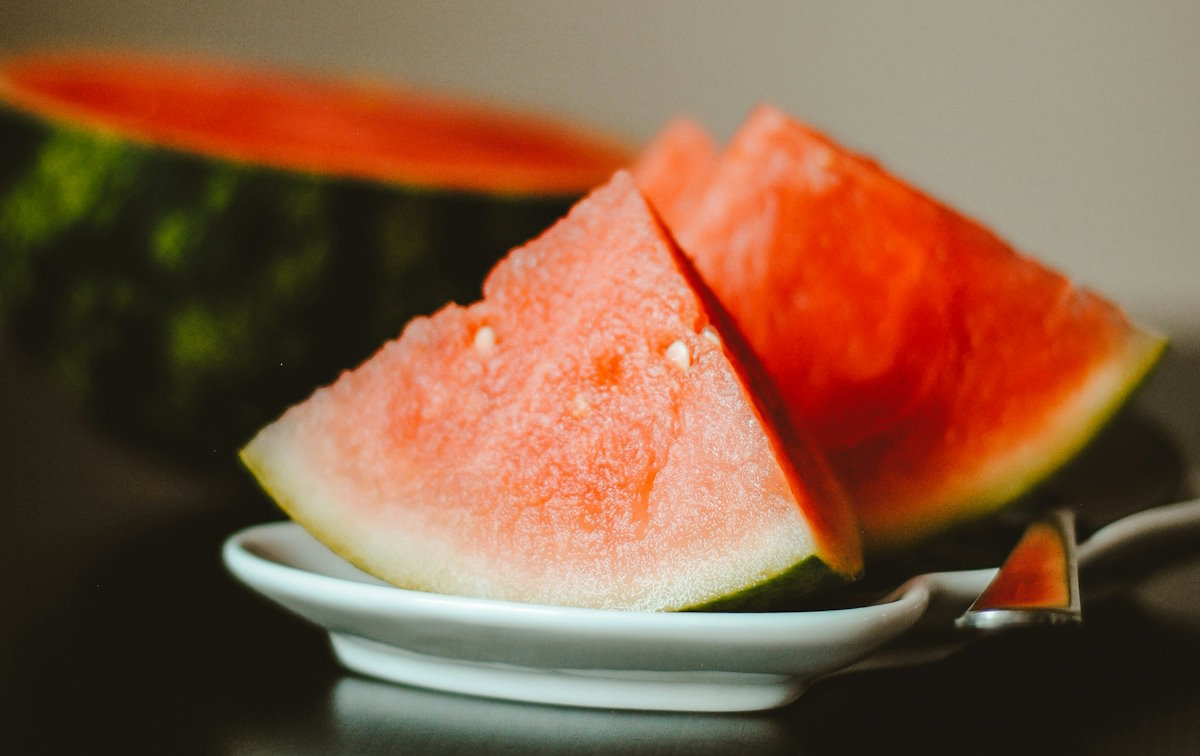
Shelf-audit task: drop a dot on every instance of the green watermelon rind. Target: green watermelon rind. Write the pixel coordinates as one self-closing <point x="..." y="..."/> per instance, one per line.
<point x="809" y="577"/>
<point x="322" y="531"/>
<point x="985" y="493"/>
<point x="184" y="300"/>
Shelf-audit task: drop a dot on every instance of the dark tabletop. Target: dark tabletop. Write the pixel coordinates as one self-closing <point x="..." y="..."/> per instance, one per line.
<point x="123" y="631"/>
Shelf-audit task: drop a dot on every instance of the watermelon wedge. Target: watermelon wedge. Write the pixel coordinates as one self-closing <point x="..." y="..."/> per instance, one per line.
<point x="190" y="246"/>
<point x="677" y="165"/>
<point x="942" y="373"/>
<point x="591" y="433"/>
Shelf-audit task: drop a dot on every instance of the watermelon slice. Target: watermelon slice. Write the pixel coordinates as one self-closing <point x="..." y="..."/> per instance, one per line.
<point x="677" y="165"/>
<point x="585" y="435"/>
<point x="943" y="373"/>
<point x="191" y="246"/>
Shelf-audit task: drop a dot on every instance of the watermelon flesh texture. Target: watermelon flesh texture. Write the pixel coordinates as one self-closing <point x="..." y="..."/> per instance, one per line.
<point x="581" y="436"/>
<point x="942" y="373"/>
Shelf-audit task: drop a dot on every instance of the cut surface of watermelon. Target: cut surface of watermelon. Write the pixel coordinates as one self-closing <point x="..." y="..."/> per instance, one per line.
<point x="307" y="123"/>
<point x="581" y="436"/>
<point x="943" y="373"/>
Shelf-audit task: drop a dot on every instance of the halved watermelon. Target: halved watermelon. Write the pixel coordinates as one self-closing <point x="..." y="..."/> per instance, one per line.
<point x="192" y="246"/>
<point x="585" y="435"/>
<point x="943" y="373"/>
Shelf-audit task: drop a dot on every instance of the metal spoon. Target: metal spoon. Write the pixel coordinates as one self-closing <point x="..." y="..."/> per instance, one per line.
<point x="1038" y="584"/>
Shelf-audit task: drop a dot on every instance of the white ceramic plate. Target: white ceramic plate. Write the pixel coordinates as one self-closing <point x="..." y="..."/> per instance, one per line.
<point x="671" y="661"/>
<point x="691" y="661"/>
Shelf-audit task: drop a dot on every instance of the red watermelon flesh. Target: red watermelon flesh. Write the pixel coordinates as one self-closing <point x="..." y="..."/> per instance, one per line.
<point x="581" y="436"/>
<point x="942" y="372"/>
<point x="678" y="164"/>
<point x="305" y="123"/>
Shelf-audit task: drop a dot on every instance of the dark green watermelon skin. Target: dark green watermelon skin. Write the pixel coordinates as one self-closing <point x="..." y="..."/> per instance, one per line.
<point x="184" y="301"/>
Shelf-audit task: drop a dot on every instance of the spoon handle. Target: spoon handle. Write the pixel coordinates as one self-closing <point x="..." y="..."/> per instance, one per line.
<point x="1143" y="541"/>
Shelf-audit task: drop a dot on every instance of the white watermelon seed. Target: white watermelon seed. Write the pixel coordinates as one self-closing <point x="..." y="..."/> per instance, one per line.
<point x="678" y="355"/>
<point x="485" y="340"/>
<point x="580" y="405"/>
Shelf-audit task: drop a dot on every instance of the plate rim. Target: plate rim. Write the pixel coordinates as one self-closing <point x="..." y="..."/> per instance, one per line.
<point x="245" y="562"/>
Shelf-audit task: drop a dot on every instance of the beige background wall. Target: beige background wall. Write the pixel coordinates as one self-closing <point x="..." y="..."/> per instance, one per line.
<point x="1071" y="127"/>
